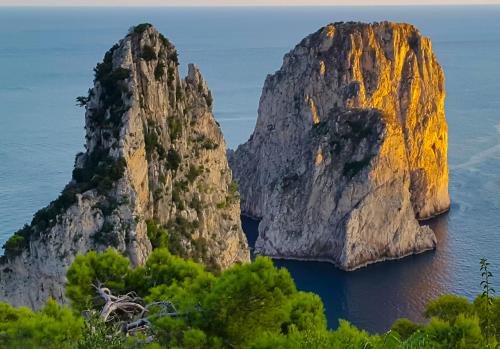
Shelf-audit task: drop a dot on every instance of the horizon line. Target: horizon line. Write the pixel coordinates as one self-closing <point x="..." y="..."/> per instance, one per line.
<point x="416" y="4"/>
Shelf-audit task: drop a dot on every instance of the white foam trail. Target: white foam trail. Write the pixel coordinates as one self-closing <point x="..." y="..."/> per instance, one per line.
<point x="481" y="156"/>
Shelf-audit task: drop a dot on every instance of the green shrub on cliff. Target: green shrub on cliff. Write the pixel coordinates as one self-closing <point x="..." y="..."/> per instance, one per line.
<point x="148" y="53"/>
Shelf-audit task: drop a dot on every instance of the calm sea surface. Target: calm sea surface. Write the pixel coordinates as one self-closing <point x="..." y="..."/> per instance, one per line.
<point x="46" y="60"/>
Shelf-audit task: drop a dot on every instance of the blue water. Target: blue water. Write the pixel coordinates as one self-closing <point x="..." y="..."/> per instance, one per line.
<point x="46" y="60"/>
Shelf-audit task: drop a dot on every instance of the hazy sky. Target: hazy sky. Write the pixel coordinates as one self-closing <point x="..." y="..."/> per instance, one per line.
<point x="236" y="2"/>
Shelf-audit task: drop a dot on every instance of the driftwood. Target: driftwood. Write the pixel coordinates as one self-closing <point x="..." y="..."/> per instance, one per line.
<point x="129" y="308"/>
<point x="128" y="304"/>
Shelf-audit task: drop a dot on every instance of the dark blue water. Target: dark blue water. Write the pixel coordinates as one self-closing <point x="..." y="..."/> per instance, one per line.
<point x="46" y="60"/>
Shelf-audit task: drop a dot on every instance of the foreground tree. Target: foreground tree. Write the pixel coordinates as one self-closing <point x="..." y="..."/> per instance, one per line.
<point x="174" y="303"/>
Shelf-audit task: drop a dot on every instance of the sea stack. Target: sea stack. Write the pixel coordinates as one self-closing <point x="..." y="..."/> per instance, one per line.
<point x="350" y="148"/>
<point x="154" y="172"/>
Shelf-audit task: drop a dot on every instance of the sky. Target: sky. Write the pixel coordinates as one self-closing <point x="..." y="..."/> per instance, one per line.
<point x="238" y="2"/>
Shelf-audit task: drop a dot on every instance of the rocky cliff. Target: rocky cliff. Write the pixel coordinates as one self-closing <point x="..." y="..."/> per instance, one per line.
<point x="350" y="147"/>
<point x="154" y="173"/>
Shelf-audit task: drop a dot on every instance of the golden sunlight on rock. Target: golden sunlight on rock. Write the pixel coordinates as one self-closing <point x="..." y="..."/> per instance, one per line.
<point x="322" y="68"/>
<point x="330" y="31"/>
<point x="314" y="111"/>
<point x="383" y="134"/>
<point x="319" y="157"/>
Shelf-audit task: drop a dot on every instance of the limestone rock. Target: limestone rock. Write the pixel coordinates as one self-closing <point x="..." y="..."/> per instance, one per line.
<point x="350" y="147"/>
<point x="154" y="156"/>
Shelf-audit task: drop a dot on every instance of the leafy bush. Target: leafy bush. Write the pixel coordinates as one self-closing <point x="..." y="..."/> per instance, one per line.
<point x="165" y="41"/>
<point x="54" y="327"/>
<point x="196" y="204"/>
<point x="17" y="242"/>
<point x="159" y="70"/>
<point x="148" y="53"/>
<point x="175" y="127"/>
<point x="87" y="271"/>
<point x="106" y="236"/>
<point x="173" y="159"/>
<point x="157" y="235"/>
<point x="176" y="197"/>
<point x="82" y="101"/>
<point x="172" y="55"/>
<point x="405" y="328"/>
<point x="100" y="172"/>
<point x="194" y="172"/>
<point x="351" y="169"/>
<point x="209" y="99"/>
<point x="249" y="306"/>
<point x="205" y="143"/>
<point x="141" y="28"/>
<point x="233" y="194"/>
<point x="449" y="308"/>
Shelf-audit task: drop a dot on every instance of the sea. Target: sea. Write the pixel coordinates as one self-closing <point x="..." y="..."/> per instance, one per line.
<point x="46" y="60"/>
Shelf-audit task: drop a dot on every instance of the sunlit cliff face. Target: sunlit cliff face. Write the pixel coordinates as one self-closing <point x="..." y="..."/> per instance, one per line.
<point x="350" y="147"/>
<point x="391" y="67"/>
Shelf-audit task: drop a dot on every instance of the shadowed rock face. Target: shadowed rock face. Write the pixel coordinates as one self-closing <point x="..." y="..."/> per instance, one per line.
<point x="154" y="153"/>
<point x="350" y="147"/>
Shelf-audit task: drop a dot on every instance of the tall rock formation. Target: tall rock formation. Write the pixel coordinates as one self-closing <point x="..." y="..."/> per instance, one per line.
<point x="154" y="172"/>
<point x="350" y="147"/>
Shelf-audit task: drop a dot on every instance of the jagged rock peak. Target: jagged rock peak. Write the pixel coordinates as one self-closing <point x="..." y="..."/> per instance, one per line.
<point x="154" y="173"/>
<point x="350" y="147"/>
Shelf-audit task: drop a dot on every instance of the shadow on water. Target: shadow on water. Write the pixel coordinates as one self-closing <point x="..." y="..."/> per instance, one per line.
<point x="373" y="297"/>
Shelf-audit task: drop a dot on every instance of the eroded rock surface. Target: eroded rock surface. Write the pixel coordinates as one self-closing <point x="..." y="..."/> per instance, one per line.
<point x="155" y="156"/>
<point x="350" y="147"/>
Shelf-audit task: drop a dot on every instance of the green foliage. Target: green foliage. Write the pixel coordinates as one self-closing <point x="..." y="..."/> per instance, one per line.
<point x="82" y="101"/>
<point x="173" y="159"/>
<point x="106" y="236"/>
<point x="306" y="313"/>
<point x="180" y="225"/>
<point x="209" y="99"/>
<point x="172" y="55"/>
<point x="148" y="53"/>
<point x="86" y="272"/>
<point x="175" y="126"/>
<point x="249" y="306"/>
<point x="111" y="81"/>
<point x="351" y="169"/>
<point x="206" y="143"/>
<point x="196" y="204"/>
<point x="486" y="301"/>
<point x="448" y="308"/>
<point x="159" y="70"/>
<point x="17" y="242"/>
<point x="176" y="196"/>
<point x="141" y="28"/>
<point x="152" y="143"/>
<point x="54" y="327"/>
<point x="99" y="335"/>
<point x="165" y="41"/>
<point x="157" y="235"/>
<point x="100" y="172"/>
<point x="194" y="172"/>
<point x="464" y="333"/>
<point x="405" y="328"/>
<point x="248" y="300"/>
<point x="233" y="194"/>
